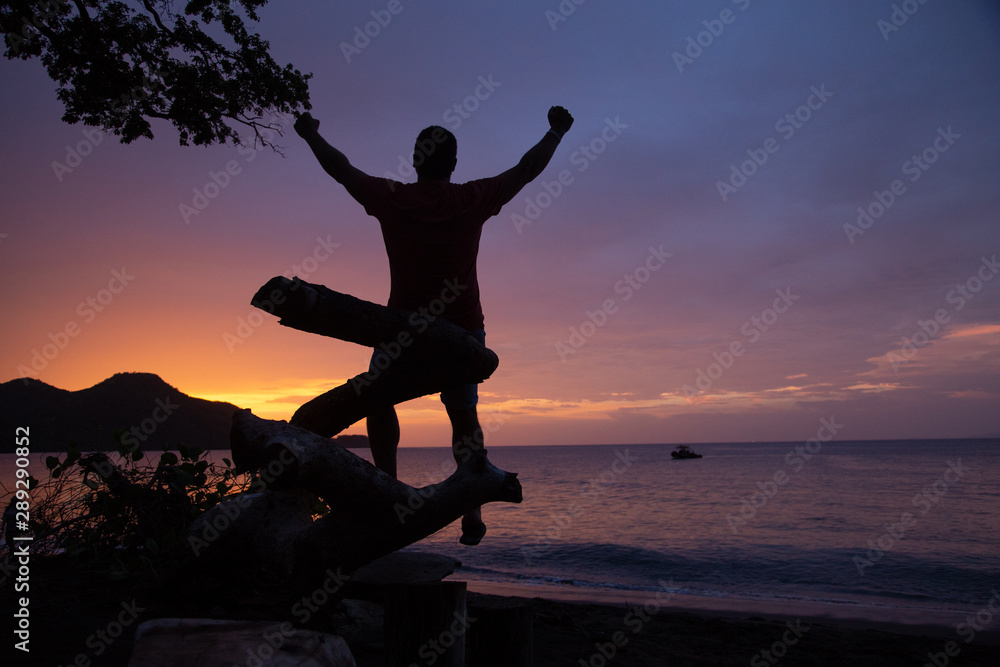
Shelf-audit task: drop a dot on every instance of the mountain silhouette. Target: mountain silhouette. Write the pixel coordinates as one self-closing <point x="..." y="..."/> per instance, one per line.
<point x="151" y="412"/>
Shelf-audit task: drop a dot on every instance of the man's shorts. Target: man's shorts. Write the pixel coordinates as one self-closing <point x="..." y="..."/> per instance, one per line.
<point x="460" y="397"/>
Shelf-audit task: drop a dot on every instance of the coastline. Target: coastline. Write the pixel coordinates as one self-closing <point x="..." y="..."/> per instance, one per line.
<point x="587" y="628"/>
<point x="588" y="590"/>
<point x="570" y="627"/>
<point x="941" y="622"/>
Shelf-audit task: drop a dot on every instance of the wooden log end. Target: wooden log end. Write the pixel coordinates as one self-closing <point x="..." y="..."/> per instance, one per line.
<point x="511" y="491"/>
<point x="285" y="297"/>
<point x="508" y="490"/>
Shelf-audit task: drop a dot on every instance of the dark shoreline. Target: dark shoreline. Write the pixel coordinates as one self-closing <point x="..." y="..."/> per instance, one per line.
<point x="71" y="606"/>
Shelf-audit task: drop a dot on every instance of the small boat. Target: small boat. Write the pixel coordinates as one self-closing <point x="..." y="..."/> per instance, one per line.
<point x="684" y="452"/>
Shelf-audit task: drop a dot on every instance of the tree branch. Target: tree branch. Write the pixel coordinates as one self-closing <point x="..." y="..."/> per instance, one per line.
<point x="83" y="12"/>
<point x="156" y="18"/>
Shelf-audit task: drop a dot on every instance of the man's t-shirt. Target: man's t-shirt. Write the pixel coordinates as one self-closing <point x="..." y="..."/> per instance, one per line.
<point x="431" y="231"/>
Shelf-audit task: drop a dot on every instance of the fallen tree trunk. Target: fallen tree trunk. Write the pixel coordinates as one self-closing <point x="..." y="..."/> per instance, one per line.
<point x="423" y="354"/>
<point x="372" y="514"/>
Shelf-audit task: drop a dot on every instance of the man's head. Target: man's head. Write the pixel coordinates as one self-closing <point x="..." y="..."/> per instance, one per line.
<point x="434" y="155"/>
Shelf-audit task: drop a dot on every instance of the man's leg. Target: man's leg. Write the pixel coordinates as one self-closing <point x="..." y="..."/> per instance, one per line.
<point x="383" y="438"/>
<point x="383" y="425"/>
<point x="466" y="443"/>
<point x="466" y="433"/>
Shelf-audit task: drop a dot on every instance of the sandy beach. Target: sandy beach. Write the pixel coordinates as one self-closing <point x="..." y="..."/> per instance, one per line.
<point x="580" y="628"/>
<point x="570" y="628"/>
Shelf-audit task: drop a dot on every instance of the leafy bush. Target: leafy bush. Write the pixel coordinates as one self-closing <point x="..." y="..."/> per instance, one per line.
<point x="129" y="515"/>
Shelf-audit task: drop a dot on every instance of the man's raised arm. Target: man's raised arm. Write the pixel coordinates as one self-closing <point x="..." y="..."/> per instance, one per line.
<point x="538" y="156"/>
<point x="333" y="161"/>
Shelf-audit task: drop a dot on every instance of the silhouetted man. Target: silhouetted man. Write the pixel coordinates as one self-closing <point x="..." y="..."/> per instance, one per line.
<point x="431" y="230"/>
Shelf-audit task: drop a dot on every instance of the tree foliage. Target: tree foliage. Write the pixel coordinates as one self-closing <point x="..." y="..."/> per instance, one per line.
<point x="120" y="64"/>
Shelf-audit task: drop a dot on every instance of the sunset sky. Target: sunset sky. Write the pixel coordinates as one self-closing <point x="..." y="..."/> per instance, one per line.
<point x="700" y="275"/>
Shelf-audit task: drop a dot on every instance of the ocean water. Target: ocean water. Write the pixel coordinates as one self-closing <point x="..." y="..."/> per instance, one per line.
<point x="894" y="525"/>
<point x="901" y="525"/>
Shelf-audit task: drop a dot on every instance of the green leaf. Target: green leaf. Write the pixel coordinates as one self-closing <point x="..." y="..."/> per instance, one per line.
<point x="168" y="459"/>
<point x="51" y="462"/>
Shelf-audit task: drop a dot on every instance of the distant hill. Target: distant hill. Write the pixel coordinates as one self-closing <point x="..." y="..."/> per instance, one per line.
<point x="352" y="441"/>
<point x="153" y="412"/>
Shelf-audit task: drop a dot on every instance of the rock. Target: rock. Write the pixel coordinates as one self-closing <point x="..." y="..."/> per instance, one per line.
<point x="168" y="642"/>
<point x="403" y="567"/>
<point x="370" y="581"/>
